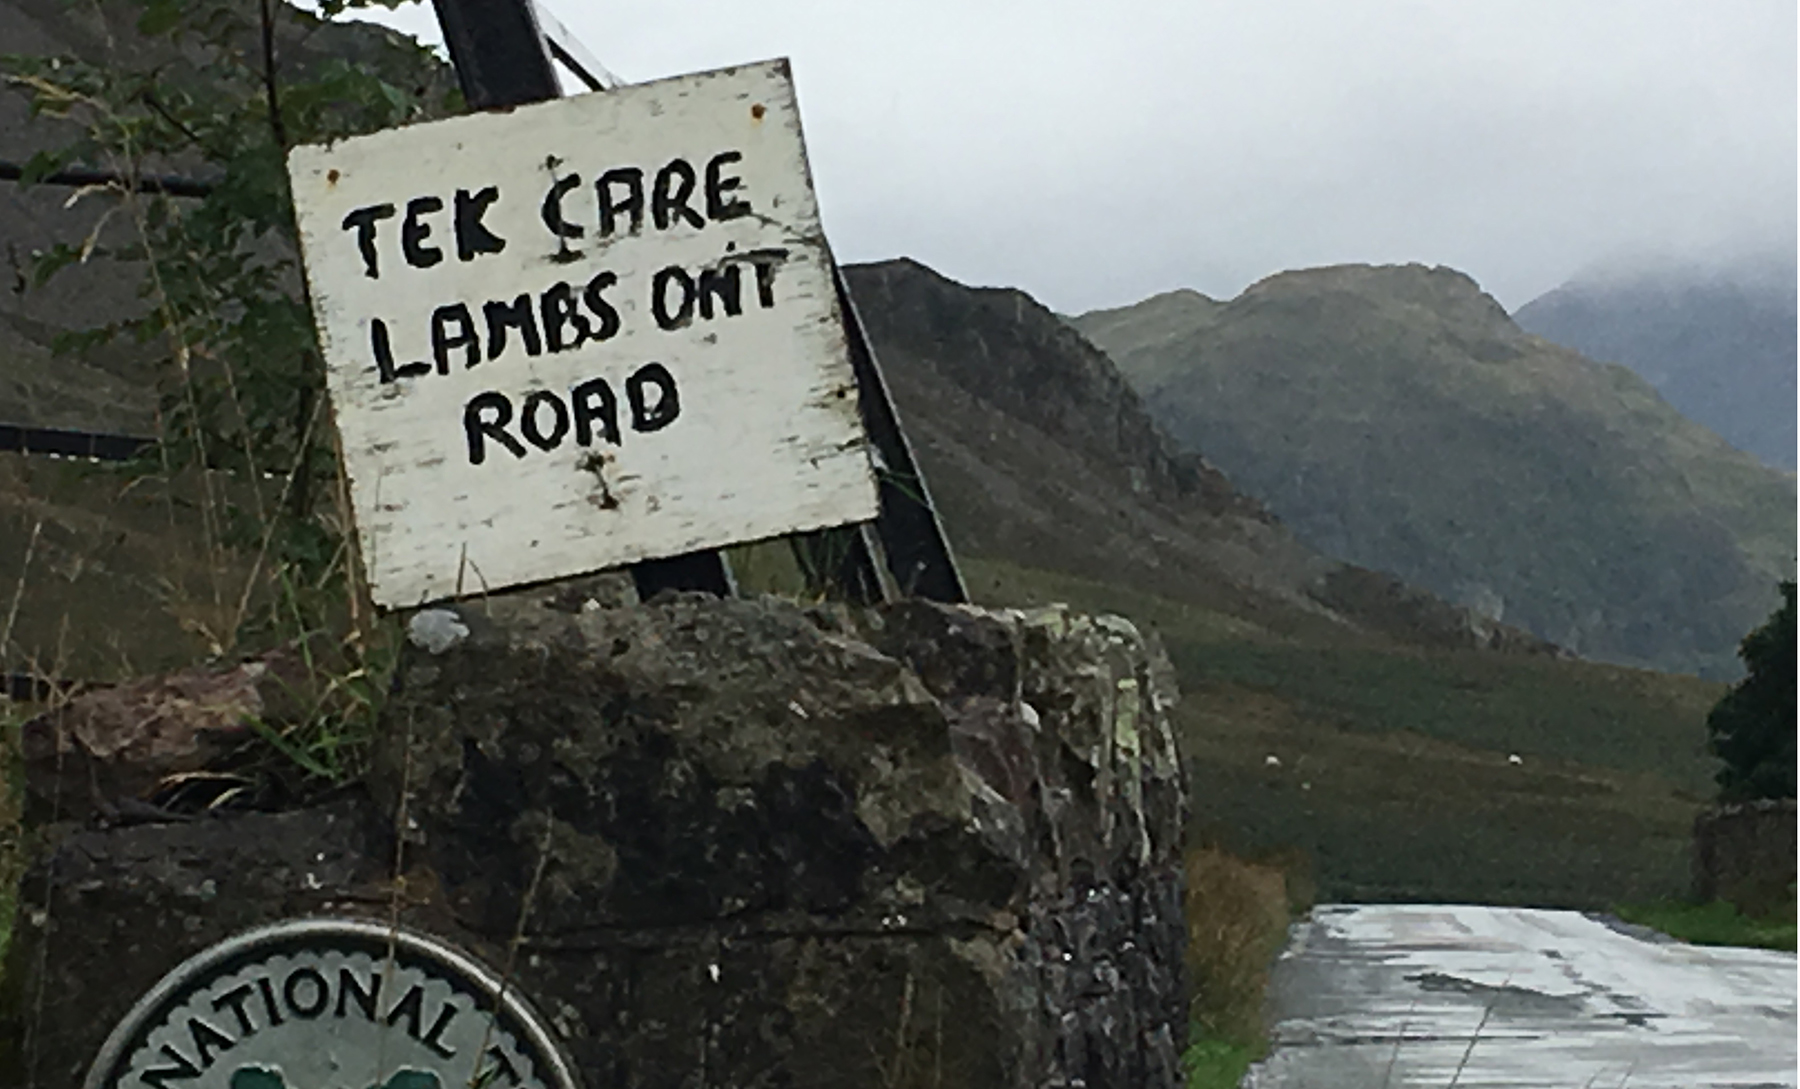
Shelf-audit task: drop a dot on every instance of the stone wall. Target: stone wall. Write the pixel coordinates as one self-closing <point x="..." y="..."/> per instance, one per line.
<point x="737" y="843"/>
<point x="1744" y="854"/>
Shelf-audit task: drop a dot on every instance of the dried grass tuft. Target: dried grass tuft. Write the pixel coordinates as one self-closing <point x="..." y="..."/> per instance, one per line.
<point x="1237" y="919"/>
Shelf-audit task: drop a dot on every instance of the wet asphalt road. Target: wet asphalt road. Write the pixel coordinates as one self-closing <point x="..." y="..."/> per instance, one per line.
<point x="1401" y="996"/>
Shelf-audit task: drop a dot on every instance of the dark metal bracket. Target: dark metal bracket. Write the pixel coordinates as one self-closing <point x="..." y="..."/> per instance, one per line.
<point x="907" y="551"/>
<point x="912" y="545"/>
<point x="568" y="51"/>
<point x="503" y="58"/>
<point x="77" y="176"/>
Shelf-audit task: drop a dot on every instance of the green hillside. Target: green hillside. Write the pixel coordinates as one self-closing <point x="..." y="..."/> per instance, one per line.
<point x="1394" y="778"/>
<point x="1391" y="723"/>
<point x="1397" y="418"/>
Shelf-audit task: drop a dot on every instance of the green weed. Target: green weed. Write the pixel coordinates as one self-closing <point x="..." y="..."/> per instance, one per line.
<point x="1717" y="923"/>
<point x="1213" y="1063"/>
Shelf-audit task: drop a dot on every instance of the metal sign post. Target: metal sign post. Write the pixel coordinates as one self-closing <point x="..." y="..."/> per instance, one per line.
<point x="503" y="57"/>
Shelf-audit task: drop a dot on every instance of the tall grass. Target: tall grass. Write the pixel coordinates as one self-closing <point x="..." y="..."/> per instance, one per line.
<point x="1237" y="918"/>
<point x="12" y="830"/>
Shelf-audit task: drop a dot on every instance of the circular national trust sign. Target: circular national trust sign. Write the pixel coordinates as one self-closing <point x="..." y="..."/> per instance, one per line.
<point x="330" y="1004"/>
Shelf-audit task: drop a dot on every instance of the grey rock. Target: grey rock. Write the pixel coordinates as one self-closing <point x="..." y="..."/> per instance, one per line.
<point x="107" y="912"/>
<point x="435" y="630"/>
<point x="751" y="843"/>
<point x="130" y="746"/>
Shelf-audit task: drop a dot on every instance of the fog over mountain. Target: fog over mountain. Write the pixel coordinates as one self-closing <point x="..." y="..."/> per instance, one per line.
<point x="1096" y="154"/>
<point x="1716" y="339"/>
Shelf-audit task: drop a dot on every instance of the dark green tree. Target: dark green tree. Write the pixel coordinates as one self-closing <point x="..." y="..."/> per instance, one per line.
<point x="1753" y="726"/>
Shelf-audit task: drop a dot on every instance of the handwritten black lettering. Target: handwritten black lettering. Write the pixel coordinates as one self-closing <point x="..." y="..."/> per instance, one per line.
<point x="517" y="314"/>
<point x="632" y="203"/>
<point x="552" y="211"/>
<point x="723" y="285"/>
<point x="565" y="326"/>
<point x="414" y="231"/>
<point x="645" y="416"/>
<point x="529" y="420"/>
<point x="719" y="206"/>
<point x="384" y="355"/>
<point x="363" y="220"/>
<point x="594" y="296"/>
<point x="683" y="313"/>
<point x="453" y="328"/>
<point x="472" y="235"/>
<point x="594" y="403"/>
<point x="669" y="197"/>
<point x="485" y="417"/>
<point x="591" y="411"/>
<point x="766" y="262"/>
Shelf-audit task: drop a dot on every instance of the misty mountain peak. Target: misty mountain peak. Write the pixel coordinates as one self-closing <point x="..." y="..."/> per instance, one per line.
<point x="1432" y="293"/>
<point x="1718" y="341"/>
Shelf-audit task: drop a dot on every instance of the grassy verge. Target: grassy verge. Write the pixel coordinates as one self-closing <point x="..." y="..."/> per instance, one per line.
<point x="1238" y="912"/>
<point x="1218" y="1064"/>
<point x="1717" y="923"/>
<point x="12" y="813"/>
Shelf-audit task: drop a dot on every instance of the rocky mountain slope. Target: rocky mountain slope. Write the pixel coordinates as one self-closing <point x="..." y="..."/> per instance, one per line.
<point x="1398" y="418"/>
<point x="1718" y="344"/>
<point x="1038" y="452"/>
<point x="1397" y="769"/>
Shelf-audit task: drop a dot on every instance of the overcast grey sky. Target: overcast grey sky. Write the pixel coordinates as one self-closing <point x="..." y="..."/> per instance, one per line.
<point x="1094" y="154"/>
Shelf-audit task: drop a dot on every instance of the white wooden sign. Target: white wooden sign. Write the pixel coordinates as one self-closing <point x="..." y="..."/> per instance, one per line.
<point x="581" y="333"/>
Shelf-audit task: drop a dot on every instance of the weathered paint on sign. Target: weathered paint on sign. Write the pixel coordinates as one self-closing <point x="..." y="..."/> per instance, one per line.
<point x="581" y="333"/>
<point x="313" y="1003"/>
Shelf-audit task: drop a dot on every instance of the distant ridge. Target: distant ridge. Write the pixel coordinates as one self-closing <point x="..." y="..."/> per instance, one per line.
<point x="1397" y="417"/>
<point x="1717" y="342"/>
<point x="1039" y="453"/>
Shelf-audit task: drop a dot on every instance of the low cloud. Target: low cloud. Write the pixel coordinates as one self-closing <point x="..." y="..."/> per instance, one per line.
<point x="1093" y="154"/>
